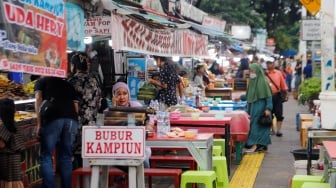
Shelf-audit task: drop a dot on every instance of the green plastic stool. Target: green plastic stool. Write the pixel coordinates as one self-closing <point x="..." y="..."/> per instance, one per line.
<point x="217" y="151"/>
<point x="220" y="167"/>
<point x="298" y="180"/>
<point x="220" y="142"/>
<point x="208" y="178"/>
<point x="315" y="185"/>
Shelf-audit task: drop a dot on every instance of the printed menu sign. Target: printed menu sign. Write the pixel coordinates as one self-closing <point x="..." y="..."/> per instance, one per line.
<point x="33" y="37"/>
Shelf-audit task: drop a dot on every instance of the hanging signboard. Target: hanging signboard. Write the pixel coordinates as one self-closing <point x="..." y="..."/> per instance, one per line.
<point x="311" y="30"/>
<point x="33" y="37"/>
<point x="189" y="11"/>
<point x="131" y="35"/>
<point x="313" y="6"/>
<point x="98" y="25"/>
<point x="136" y="74"/>
<point x="113" y="142"/>
<point x="75" y="31"/>
<point x="214" y="23"/>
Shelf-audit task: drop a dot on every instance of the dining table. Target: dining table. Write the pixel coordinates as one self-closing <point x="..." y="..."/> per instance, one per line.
<point x="329" y="162"/>
<point x="208" y="124"/>
<point x="200" y="146"/>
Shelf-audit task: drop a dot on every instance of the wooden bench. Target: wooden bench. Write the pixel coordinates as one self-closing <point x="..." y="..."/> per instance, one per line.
<point x="173" y="158"/>
<point x="175" y="173"/>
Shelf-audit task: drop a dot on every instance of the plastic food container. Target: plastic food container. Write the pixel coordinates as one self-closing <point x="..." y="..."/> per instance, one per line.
<point x="189" y="134"/>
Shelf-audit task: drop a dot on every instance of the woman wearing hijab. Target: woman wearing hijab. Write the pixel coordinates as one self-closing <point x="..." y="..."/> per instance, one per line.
<point x="259" y="99"/>
<point x="11" y="147"/>
<point x="122" y="98"/>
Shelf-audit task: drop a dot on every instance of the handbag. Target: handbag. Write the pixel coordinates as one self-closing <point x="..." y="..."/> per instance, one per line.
<point x="47" y="107"/>
<point x="282" y="94"/>
<point x="265" y="121"/>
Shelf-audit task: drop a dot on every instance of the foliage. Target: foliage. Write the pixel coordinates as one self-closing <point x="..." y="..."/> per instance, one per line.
<point x="234" y="12"/>
<point x="309" y="90"/>
<point x="279" y="17"/>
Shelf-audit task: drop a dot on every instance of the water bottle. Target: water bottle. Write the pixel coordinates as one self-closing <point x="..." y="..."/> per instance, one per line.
<point x="316" y="121"/>
<point x="131" y="119"/>
<point x="167" y="122"/>
<point x="161" y="122"/>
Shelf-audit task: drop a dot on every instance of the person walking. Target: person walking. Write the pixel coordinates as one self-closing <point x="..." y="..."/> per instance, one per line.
<point x="259" y="100"/>
<point x="57" y="130"/>
<point x="308" y="70"/>
<point x="277" y="83"/>
<point x="11" y="147"/>
<point x="297" y="76"/>
<point x="169" y="80"/>
<point x="289" y="73"/>
<point x="89" y="93"/>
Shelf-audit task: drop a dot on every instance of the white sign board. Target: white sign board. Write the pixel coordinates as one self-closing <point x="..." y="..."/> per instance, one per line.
<point x="241" y="31"/>
<point x="98" y="25"/>
<point x="113" y="142"/>
<point x="311" y="30"/>
<point x="191" y="12"/>
<point x="214" y="23"/>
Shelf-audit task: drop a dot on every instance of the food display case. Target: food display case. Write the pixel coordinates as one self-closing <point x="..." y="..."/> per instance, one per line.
<point x="25" y="119"/>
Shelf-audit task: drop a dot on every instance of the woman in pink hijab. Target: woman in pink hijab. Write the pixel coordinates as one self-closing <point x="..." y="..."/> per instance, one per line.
<point x="122" y="97"/>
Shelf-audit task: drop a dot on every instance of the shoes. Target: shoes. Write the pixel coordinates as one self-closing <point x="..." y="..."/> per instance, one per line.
<point x="250" y="151"/>
<point x="272" y="133"/>
<point x="279" y="134"/>
<point x="261" y="148"/>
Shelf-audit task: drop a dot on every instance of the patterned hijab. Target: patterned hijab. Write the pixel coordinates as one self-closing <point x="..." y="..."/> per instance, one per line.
<point x="259" y="87"/>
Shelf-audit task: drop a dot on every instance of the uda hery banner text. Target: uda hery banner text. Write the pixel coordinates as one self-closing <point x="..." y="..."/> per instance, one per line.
<point x="33" y="37"/>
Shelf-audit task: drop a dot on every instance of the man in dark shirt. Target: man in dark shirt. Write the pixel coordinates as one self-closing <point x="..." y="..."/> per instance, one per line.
<point x="60" y="127"/>
<point x="308" y="69"/>
<point x="169" y="80"/>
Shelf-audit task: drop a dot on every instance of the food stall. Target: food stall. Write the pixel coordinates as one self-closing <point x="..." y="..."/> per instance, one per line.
<point x="35" y="46"/>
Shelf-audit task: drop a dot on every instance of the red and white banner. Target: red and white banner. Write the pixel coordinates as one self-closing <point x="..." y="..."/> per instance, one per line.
<point x="33" y="37"/>
<point x="113" y="142"/>
<point x="130" y="35"/>
<point x="98" y="25"/>
<point x="5" y="64"/>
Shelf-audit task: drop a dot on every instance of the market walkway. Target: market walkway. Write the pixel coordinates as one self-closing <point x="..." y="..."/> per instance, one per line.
<point x="278" y="164"/>
<point x="277" y="167"/>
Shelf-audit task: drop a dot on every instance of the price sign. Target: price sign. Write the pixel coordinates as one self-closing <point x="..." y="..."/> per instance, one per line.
<point x="313" y="6"/>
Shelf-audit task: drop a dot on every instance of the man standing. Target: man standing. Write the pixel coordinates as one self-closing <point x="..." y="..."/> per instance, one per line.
<point x="277" y="83"/>
<point x="57" y="130"/>
<point x="169" y="80"/>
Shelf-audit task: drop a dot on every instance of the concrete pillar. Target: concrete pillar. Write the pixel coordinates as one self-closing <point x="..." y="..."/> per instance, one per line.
<point x="328" y="94"/>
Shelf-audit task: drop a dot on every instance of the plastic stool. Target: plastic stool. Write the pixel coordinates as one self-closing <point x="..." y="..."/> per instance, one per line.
<point x="220" y="167"/>
<point x="217" y="151"/>
<point x="220" y="142"/>
<point x="298" y="180"/>
<point x="192" y="176"/>
<point x="315" y="185"/>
